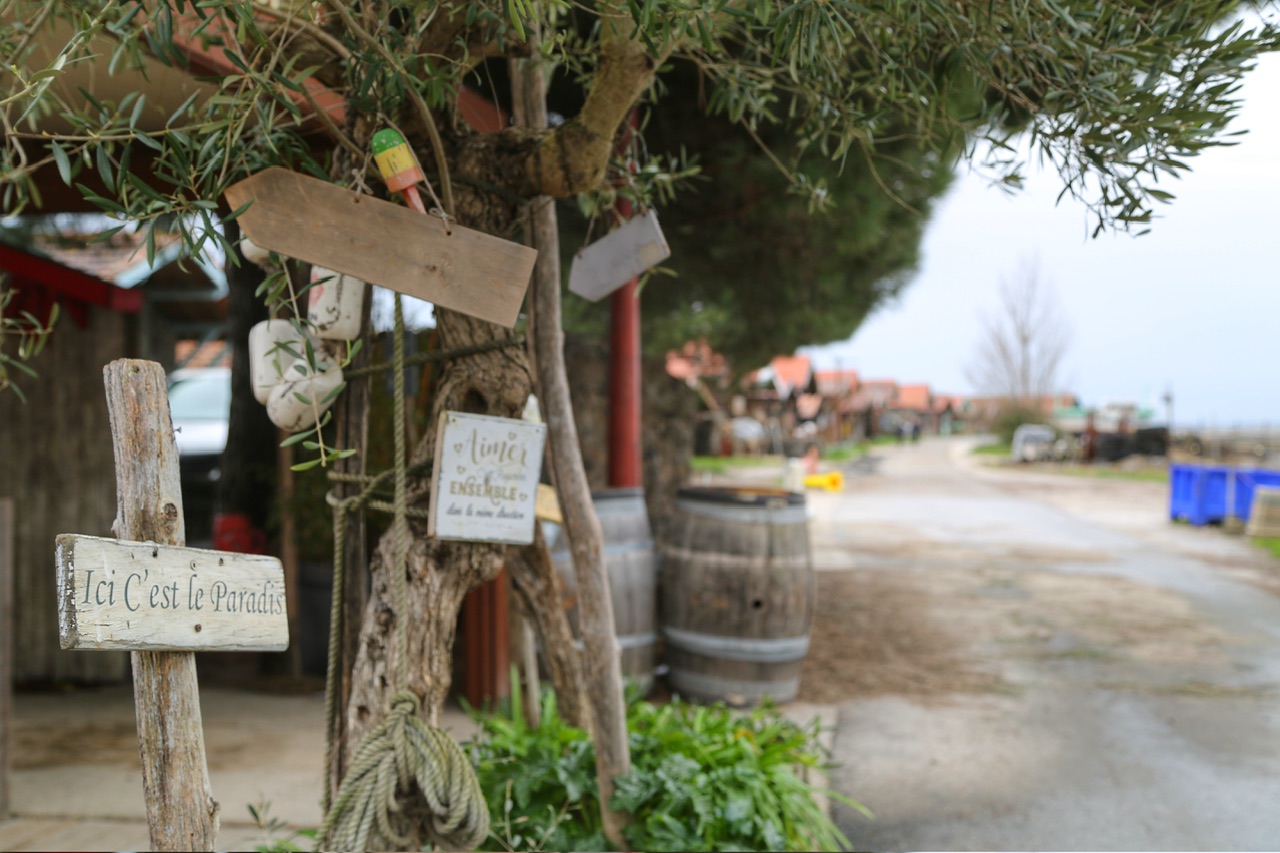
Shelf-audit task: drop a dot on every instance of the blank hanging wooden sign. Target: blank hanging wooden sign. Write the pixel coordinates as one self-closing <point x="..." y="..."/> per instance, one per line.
<point x="115" y="594"/>
<point x="619" y="256"/>
<point x="484" y="485"/>
<point x="384" y="243"/>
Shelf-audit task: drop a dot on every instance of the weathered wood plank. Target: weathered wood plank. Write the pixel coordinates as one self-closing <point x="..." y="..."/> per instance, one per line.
<point x="619" y="256"/>
<point x="137" y="595"/>
<point x="181" y="811"/>
<point x="384" y="243"/>
<point x="6" y="649"/>
<point x="46" y="454"/>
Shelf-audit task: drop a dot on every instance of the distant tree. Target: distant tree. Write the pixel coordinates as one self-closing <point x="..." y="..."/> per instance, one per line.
<point x="1023" y="344"/>
<point x="746" y="245"/>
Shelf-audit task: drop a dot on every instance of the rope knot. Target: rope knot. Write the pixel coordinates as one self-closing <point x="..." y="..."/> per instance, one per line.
<point x="406" y="704"/>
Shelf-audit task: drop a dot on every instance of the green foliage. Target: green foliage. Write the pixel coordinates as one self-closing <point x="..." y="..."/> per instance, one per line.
<point x="748" y="243"/>
<point x="1013" y="416"/>
<point x="1104" y="471"/>
<point x="540" y="783"/>
<point x="845" y="452"/>
<point x="996" y="449"/>
<point x="1270" y="544"/>
<point x="702" y="778"/>
<point x="788" y="109"/>
<point x="30" y="333"/>
<point x="720" y="464"/>
<point x="280" y="838"/>
<point x="710" y="778"/>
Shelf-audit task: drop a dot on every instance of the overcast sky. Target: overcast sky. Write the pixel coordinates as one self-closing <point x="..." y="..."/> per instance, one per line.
<point x="1192" y="307"/>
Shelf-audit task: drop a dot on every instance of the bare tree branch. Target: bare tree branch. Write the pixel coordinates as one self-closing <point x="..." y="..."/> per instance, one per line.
<point x="1022" y="346"/>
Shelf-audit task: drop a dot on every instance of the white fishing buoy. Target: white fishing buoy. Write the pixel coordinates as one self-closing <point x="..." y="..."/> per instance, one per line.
<point x="253" y="253"/>
<point x="336" y="304"/>
<point x="274" y="347"/>
<point x="289" y="412"/>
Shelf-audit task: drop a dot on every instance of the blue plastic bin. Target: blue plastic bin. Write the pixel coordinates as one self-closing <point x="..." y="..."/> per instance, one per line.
<point x="1201" y="494"/>
<point x="1246" y="482"/>
<point x="1182" y="491"/>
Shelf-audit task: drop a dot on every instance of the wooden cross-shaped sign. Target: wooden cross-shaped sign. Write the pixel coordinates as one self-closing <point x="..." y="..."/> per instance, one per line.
<point x="138" y="595"/>
<point x="147" y="593"/>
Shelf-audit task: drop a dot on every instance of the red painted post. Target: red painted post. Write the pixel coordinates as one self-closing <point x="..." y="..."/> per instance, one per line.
<point x="624" y="389"/>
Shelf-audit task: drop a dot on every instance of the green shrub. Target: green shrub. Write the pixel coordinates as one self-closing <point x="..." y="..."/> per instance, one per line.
<point x="702" y="778"/>
<point x="1269" y="543"/>
<point x="996" y="449"/>
<point x="540" y="783"/>
<point x="1013" y="416"/>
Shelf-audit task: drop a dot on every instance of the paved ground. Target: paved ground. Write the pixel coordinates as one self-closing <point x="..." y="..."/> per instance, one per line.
<point x="1015" y="661"/>
<point x="1102" y="679"/>
<point x="77" y="783"/>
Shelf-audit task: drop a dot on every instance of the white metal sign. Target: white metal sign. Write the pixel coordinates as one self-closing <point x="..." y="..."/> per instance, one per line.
<point x="485" y="479"/>
<point x="619" y="256"/>
<point x="114" y="594"/>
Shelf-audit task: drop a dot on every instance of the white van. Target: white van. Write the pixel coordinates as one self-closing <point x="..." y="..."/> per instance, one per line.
<point x="1032" y="443"/>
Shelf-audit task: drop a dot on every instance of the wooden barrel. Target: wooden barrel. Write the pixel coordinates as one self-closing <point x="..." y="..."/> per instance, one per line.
<point x="632" y="563"/>
<point x="737" y="594"/>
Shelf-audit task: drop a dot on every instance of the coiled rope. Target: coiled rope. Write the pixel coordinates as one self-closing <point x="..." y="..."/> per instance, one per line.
<point x="402" y="751"/>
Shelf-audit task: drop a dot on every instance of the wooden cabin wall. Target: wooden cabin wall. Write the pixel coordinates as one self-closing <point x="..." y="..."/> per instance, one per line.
<point x="57" y="466"/>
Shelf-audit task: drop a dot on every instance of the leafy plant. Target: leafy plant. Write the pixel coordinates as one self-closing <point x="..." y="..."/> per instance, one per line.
<point x="280" y="839"/>
<point x="1013" y="416"/>
<point x="702" y="778"/>
<point x="31" y="335"/>
<point x="1269" y="543"/>
<point x="711" y="778"/>
<point x="540" y="781"/>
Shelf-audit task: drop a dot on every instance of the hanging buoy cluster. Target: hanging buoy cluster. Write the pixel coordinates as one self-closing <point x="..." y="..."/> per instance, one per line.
<point x="291" y="372"/>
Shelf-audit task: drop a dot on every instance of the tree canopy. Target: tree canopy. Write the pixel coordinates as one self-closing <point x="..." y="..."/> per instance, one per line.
<point x="1115" y="95"/>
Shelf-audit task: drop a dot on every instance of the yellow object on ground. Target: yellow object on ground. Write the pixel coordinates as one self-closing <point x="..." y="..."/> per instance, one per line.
<point x="832" y="481"/>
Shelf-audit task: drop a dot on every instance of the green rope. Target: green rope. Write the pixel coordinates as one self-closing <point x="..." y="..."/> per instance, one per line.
<point x="402" y="750"/>
<point x="400" y="523"/>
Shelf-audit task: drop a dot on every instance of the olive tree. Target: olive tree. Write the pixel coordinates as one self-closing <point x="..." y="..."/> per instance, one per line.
<point x="1117" y="96"/>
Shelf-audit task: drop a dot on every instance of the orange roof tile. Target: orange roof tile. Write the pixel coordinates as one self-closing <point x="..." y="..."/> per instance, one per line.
<point x="792" y="371"/>
<point x="694" y="359"/>
<point x="833" y="383"/>
<point x="913" y="397"/>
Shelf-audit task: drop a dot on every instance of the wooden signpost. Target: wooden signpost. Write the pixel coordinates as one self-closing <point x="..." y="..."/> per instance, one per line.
<point x="149" y="594"/>
<point x="485" y="479"/>
<point x="384" y="243"/>
<point x="136" y="595"/>
<point x="619" y="256"/>
<point x="6" y="647"/>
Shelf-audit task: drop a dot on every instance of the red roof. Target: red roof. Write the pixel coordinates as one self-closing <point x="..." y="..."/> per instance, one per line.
<point x="695" y="359"/>
<point x="914" y="397"/>
<point x="190" y="353"/>
<point x="834" y="383"/>
<point x="942" y="401"/>
<point x="875" y="392"/>
<point x="104" y="259"/>
<point x="40" y="282"/>
<point x="791" y="371"/>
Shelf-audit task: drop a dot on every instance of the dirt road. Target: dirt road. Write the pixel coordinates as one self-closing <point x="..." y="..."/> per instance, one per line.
<point x="1029" y="661"/>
